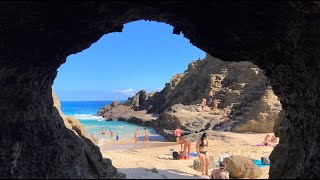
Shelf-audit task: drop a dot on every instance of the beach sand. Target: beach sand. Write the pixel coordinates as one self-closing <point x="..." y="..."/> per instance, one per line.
<point x="134" y="160"/>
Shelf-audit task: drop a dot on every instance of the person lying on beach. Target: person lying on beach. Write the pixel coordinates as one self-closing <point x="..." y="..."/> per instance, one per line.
<point x="220" y="173"/>
<point x="266" y="141"/>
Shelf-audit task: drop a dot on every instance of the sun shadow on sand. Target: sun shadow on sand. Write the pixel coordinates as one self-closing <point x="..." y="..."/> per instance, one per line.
<point x="144" y="173"/>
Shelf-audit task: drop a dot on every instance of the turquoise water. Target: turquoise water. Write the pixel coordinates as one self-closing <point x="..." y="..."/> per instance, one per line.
<point x="86" y="112"/>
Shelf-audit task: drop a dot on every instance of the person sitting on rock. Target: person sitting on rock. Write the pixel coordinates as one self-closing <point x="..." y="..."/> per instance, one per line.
<point x="215" y="104"/>
<point x="211" y="99"/>
<point x="220" y="173"/>
<point x="203" y="103"/>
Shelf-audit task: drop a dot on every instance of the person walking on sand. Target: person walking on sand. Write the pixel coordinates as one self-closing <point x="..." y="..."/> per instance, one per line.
<point x="117" y="137"/>
<point x="136" y="135"/>
<point x="103" y="132"/>
<point x="146" y="137"/>
<point x="201" y="147"/>
<point x="177" y="133"/>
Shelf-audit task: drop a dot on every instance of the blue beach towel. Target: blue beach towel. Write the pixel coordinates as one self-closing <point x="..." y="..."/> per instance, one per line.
<point x="259" y="163"/>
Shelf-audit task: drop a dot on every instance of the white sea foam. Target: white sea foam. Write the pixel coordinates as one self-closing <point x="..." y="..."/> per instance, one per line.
<point x="89" y="117"/>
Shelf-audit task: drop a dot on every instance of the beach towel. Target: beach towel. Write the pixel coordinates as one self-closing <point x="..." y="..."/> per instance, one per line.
<point x="259" y="163"/>
<point x="260" y="144"/>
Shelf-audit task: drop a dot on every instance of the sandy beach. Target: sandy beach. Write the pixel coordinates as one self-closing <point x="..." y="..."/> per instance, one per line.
<point x="136" y="160"/>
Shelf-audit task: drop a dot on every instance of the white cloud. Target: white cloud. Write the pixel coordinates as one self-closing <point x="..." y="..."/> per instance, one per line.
<point x="125" y="91"/>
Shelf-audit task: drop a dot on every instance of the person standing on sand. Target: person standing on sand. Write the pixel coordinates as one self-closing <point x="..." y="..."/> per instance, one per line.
<point x="146" y="137"/>
<point x="117" y="137"/>
<point x="111" y="134"/>
<point x="177" y="133"/>
<point x="103" y="132"/>
<point x="201" y="147"/>
<point x="136" y="135"/>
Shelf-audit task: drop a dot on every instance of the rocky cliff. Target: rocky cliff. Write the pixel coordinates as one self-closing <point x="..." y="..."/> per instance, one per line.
<point x="241" y="88"/>
<point x="70" y="122"/>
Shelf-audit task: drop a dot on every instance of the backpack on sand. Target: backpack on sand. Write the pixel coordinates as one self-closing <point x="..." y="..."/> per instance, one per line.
<point x="175" y="155"/>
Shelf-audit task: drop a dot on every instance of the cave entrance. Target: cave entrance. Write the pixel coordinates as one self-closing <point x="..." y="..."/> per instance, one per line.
<point x="241" y="88"/>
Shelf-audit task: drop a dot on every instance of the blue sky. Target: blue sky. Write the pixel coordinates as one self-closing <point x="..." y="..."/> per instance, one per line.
<point x="145" y="55"/>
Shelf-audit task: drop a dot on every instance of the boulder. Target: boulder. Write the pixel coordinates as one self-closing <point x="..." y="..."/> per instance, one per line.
<point x="197" y="164"/>
<point x="242" y="167"/>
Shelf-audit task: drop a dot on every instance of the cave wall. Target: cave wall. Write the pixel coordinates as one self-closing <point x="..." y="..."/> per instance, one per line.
<point x="36" y="37"/>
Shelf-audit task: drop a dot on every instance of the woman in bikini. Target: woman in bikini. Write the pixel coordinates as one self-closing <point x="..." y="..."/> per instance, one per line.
<point x="203" y="154"/>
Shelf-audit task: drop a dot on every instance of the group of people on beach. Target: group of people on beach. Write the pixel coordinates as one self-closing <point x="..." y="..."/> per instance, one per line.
<point x="203" y="155"/>
<point x="146" y="135"/>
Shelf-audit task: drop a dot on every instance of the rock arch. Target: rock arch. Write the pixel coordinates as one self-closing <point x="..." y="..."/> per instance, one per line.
<point x="282" y="38"/>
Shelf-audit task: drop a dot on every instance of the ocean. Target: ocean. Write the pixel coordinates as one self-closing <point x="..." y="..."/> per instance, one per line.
<point x="86" y="112"/>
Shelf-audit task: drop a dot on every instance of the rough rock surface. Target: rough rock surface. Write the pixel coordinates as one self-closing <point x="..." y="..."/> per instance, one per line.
<point x="70" y="122"/>
<point x="282" y="38"/>
<point x="241" y="87"/>
<point x="242" y="167"/>
<point x="121" y="112"/>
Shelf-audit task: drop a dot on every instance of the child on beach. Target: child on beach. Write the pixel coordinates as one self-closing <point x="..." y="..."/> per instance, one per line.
<point x="117" y="137"/>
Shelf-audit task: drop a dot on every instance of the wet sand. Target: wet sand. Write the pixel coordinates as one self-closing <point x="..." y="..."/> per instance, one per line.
<point x="134" y="159"/>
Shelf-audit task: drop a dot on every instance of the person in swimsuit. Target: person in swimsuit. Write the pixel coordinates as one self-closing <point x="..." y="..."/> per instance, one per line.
<point x="201" y="147"/>
<point x="146" y="137"/>
<point x="186" y="145"/>
<point x="136" y="136"/>
<point x="103" y="132"/>
<point x="267" y="140"/>
<point x="177" y="133"/>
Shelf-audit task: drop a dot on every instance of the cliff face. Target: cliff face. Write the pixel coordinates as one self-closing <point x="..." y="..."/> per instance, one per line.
<point x="70" y="122"/>
<point x="241" y="87"/>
